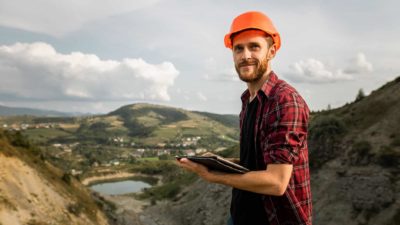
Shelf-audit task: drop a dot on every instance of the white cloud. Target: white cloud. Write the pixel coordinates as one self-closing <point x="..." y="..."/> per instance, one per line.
<point x="314" y="71"/>
<point x="359" y="65"/>
<point x="37" y="71"/>
<point x="214" y="73"/>
<point x="201" y="96"/>
<point x="57" y="18"/>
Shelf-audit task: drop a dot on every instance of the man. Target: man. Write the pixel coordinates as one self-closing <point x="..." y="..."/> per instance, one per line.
<point x="273" y="139"/>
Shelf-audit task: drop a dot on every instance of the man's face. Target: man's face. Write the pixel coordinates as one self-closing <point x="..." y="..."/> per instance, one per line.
<point x="250" y="49"/>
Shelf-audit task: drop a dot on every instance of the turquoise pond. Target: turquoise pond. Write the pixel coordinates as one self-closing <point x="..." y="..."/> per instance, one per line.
<point x="120" y="187"/>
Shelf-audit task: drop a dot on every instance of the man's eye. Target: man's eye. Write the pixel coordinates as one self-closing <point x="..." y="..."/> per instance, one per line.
<point x="255" y="47"/>
<point x="238" y="48"/>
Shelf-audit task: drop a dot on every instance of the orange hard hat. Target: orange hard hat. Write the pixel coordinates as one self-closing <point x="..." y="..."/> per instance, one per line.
<point x="253" y="20"/>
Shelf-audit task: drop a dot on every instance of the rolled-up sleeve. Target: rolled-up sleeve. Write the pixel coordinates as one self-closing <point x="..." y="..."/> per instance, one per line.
<point x="286" y="133"/>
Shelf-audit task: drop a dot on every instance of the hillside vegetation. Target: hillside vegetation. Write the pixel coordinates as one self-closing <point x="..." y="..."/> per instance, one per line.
<point x="34" y="192"/>
<point x="355" y="157"/>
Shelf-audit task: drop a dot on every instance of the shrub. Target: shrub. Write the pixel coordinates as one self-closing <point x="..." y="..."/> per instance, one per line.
<point x="396" y="217"/>
<point x="18" y="140"/>
<point x="360" y="95"/>
<point x="174" y="178"/>
<point x="167" y="191"/>
<point x="75" y="208"/>
<point x="136" y="129"/>
<point x="324" y="139"/>
<point x="326" y="126"/>
<point x="395" y="142"/>
<point x="67" y="178"/>
<point x="99" y="126"/>
<point x="388" y="157"/>
<point x="362" y="147"/>
<point x="164" y="157"/>
<point x="360" y="153"/>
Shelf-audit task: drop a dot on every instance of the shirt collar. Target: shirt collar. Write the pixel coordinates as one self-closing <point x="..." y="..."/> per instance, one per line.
<point x="265" y="88"/>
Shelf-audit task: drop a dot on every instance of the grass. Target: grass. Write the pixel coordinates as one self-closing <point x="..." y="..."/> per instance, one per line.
<point x="149" y="120"/>
<point x="167" y="133"/>
<point x="149" y="159"/>
<point x="43" y="135"/>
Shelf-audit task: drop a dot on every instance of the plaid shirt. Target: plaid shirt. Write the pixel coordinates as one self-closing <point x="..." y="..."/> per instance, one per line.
<point x="281" y="130"/>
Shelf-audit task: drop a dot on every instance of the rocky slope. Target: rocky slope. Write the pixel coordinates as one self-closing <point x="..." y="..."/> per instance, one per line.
<point x="198" y="204"/>
<point x="355" y="168"/>
<point x="34" y="192"/>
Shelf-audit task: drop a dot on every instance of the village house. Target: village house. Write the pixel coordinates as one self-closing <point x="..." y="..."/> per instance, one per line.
<point x="189" y="152"/>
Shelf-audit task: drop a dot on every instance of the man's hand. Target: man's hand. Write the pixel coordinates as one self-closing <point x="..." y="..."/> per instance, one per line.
<point x="197" y="168"/>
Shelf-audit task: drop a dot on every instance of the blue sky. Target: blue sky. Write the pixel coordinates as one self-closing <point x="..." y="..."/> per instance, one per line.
<point x="95" y="56"/>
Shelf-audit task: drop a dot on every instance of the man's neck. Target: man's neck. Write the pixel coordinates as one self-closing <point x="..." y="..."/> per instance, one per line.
<point x="255" y="86"/>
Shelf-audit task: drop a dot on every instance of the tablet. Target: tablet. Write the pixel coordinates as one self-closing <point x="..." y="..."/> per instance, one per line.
<point x="216" y="163"/>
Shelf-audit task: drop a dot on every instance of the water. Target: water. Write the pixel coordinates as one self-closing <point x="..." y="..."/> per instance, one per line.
<point x="120" y="187"/>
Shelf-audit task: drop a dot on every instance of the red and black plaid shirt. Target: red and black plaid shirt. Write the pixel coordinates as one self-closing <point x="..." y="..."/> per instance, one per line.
<point x="281" y="130"/>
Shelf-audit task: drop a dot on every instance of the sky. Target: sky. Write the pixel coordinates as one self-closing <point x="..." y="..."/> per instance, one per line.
<point x="95" y="56"/>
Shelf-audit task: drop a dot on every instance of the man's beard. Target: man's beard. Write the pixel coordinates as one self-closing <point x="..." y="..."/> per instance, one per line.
<point x="261" y="68"/>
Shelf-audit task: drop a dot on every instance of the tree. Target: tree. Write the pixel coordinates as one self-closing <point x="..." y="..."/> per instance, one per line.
<point x="360" y="95"/>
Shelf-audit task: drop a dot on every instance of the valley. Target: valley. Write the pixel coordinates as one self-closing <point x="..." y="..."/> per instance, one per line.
<point x="354" y="160"/>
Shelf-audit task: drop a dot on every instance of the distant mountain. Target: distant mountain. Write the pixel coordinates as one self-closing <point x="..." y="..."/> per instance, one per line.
<point x="18" y="111"/>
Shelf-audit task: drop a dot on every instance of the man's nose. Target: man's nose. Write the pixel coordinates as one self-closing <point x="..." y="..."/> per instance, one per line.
<point x="246" y="54"/>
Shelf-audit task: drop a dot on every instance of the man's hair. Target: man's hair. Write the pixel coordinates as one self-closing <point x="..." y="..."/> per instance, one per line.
<point x="270" y="41"/>
<point x="268" y="37"/>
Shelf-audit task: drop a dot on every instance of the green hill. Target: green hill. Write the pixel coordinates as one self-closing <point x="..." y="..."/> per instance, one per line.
<point x="149" y="125"/>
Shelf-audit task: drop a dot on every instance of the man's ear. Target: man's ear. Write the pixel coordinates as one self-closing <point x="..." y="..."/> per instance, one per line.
<point x="271" y="52"/>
